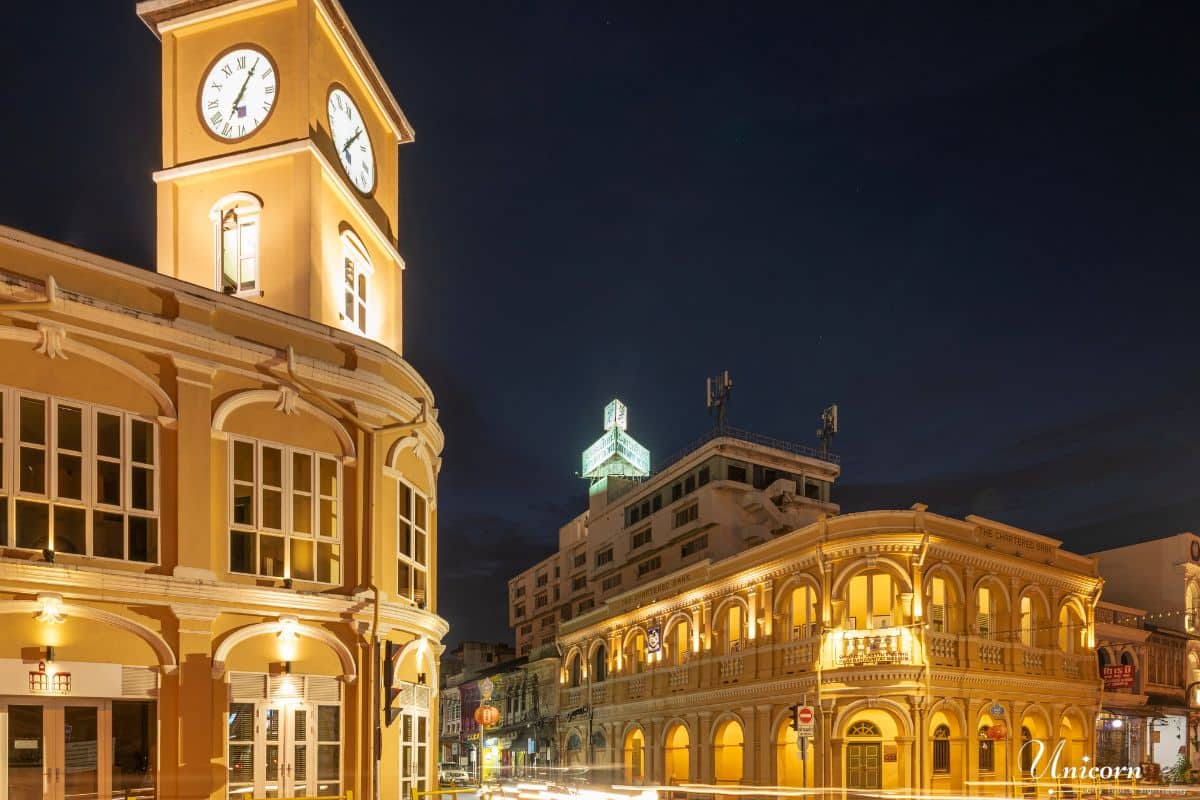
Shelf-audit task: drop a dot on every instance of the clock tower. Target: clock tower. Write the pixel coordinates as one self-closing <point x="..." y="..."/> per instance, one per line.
<point x="279" y="143"/>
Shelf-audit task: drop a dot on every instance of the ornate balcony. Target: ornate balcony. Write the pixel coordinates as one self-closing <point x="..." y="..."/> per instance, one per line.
<point x="860" y="648"/>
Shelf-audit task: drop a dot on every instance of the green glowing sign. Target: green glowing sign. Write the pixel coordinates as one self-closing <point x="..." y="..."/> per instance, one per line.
<point x="616" y="452"/>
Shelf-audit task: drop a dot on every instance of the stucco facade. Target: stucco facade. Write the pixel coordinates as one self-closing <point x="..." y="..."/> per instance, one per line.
<point x="218" y="481"/>
<point x="911" y="634"/>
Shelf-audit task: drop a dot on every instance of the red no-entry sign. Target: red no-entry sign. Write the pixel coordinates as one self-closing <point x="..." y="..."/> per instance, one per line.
<point x="805" y="715"/>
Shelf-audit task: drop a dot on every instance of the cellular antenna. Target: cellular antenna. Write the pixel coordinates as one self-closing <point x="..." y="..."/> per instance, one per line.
<point x="717" y="396"/>
<point x="829" y="428"/>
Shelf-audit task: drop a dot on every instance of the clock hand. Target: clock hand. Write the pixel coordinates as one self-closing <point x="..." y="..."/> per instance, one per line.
<point x="346" y="146"/>
<point x="242" y="91"/>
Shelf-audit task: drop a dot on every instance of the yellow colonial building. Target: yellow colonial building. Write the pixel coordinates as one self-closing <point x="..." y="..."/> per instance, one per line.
<point x="218" y="505"/>
<point x="929" y="649"/>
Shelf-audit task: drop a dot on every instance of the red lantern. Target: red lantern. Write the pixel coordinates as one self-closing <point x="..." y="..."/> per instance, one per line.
<point x="487" y="715"/>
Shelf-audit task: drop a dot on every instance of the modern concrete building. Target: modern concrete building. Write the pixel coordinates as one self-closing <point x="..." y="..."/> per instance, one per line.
<point x="218" y="480"/>
<point x="930" y="648"/>
<point x="726" y="492"/>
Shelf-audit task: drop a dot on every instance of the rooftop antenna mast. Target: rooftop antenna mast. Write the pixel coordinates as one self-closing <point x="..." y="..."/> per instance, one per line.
<point x="717" y="396"/>
<point x="829" y="428"/>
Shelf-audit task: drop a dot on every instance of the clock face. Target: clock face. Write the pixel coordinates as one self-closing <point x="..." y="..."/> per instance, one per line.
<point x="238" y="93"/>
<point x="352" y="141"/>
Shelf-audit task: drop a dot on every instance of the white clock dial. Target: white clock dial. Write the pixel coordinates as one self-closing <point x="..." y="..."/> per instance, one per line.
<point x="352" y="141"/>
<point x="238" y="93"/>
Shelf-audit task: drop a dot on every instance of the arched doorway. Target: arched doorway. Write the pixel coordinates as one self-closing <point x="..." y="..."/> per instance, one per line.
<point x="635" y="756"/>
<point x="727" y="752"/>
<point x="864" y="755"/>
<point x="574" y="749"/>
<point x="945" y="750"/>
<point x="789" y="768"/>
<point x="676" y="755"/>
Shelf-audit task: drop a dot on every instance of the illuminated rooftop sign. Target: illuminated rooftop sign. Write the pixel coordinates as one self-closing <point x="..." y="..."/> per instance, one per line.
<point x="616" y="452"/>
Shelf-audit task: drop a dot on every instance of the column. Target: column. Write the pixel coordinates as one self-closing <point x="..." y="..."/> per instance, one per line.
<point x="904" y="759"/>
<point x="768" y="590"/>
<point x="765" y="745"/>
<point x="652" y="767"/>
<point x="703" y="747"/>
<point x="823" y="771"/>
<point x="191" y="710"/>
<point x="196" y="496"/>
<point x="921" y="774"/>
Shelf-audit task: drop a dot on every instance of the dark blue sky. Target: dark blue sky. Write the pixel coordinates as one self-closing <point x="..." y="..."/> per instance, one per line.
<point x="974" y="226"/>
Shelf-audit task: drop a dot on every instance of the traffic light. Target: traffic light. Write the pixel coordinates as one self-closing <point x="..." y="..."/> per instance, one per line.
<point x="795" y="717"/>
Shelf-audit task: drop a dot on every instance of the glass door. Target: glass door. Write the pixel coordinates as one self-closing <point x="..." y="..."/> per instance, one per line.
<point x="283" y="749"/>
<point x="414" y="744"/>
<point x="55" y="750"/>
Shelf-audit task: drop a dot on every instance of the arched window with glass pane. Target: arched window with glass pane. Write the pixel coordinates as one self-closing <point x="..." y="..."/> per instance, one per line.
<point x="600" y="664"/>
<point x="803" y="612"/>
<point x="236" y="223"/>
<point x="679" y="643"/>
<point x="873" y="601"/>
<point x="1027" y="621"/>
<point x="987" y="751"/>
<point x="985" y="612"/>
<point x="941" y="749"/>
<point x="939" y="606"/>
<point x="356" y="272"/>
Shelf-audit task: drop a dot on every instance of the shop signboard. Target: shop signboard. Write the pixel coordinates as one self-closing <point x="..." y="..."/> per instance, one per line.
<point x="1117" y="677"/>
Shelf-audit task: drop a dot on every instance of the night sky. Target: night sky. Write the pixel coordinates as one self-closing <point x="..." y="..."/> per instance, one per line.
<point x="974" y="226"/>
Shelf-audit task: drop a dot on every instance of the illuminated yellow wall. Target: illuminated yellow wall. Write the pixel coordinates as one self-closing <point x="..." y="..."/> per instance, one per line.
<point x="676" y="756"/>
<point x="305" y="206"/>
<point x="728" y="761"/>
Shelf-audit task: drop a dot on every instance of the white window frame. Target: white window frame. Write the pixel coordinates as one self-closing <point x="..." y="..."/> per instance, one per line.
<point x="411" y="562"/>
<point x="356" y="264"/>
<point x="88" y="502"/>
<point x="287" y="530"/>
<point x="247" y="211"/>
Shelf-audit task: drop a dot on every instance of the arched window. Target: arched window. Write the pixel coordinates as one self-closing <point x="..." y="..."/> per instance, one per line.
<point x="1071" y="629"/>
<point x="1027" y="621"/>
<point x="803" y="612"/>
<point x="635" y="656"/>
<point x="941" y="749"/>
<point x="987" y="751"/>
<point x="1026" y="750"/>
<point x="985" y="612"/>
<point x="600" y="664"/>
<point x="939" y="611"/>
<point x="235" y="233"/>
<point x="864" y="728"/>
<point x="873" y="601"/>
<point x="83" y="478"/>
<point x="574" y="742"/>
<point x="680" y="643"/>
<point x="356" y="272"/>
<point x="574" y="671"/>
<point x="1192" y="607"/>
<point x="1101" y="659"/>
<point x="735" y="628"/>
<point x="284" y="520"/>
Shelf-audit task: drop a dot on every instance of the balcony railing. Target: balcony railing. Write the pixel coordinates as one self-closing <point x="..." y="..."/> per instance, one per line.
<point x="868" y="648"/>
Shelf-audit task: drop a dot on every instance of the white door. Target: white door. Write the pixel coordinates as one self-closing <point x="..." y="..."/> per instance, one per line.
<point x="55" y="750"/>
<point x="414" y="752"/>
<point x="284" y="749"/>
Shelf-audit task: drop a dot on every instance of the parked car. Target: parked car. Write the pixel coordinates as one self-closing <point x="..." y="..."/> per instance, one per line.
<point x="451" y="774"/>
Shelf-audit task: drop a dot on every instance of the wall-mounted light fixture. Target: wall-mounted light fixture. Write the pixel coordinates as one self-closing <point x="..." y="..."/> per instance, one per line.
<point x="48" y="555"/>
<point x="52" y="608"/>
<point x="420" y="678"/>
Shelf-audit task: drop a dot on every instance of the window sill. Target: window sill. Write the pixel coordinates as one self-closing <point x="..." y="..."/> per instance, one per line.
<point x="249" y="294"/>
